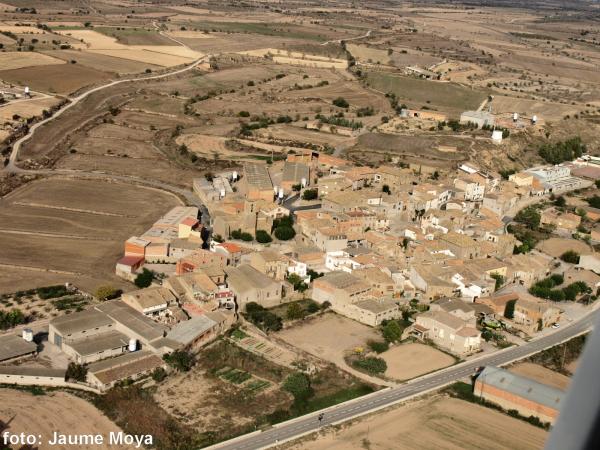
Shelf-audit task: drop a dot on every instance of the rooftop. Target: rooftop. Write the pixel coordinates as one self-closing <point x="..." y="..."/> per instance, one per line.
<point x="186" y="332"/>
<point x="13" y="346"/>
<point x="129" y="364"/>
<point x="100" y="342"/>
<point x="150" y="297"/>
<point x="132" y="319"/>
<point x="80" y="321"/>
<point x="32" y="371"/>
<point x="246" y="277"/>
<point x="257" y="176"/>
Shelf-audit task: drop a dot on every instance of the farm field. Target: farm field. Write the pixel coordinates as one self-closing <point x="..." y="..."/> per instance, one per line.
<point x="434" y="423"/>
<point x="54" y="412"/>
<point x="102" y="62"/>
<point x="541" y="374"/>
<point x="321" y="337"/>
<point x="416" y="93"/>
<point x="55" y="78"/>
<point x="82" y="234"/>
<point x="18" y="60"/>
<point x="27" y="108"/>
<point x="406" y="361"/>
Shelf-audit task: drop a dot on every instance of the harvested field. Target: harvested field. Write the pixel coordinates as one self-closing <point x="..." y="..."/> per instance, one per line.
<point x="298" y="59"/>
<point x="292" y="133"/>
<point x="82" y="233"/>
<point x="408" y="361"/>
<point x="56" y="78"/>
<point x="447" y="97"/>
<point x="135" y="36"/>
<point x="435" y="423"/>
<point x="557" y="246"/>
<point x="18" y="60"/>
<point x="525" y="107"/>
<point x="101" y="62"/>
<point x="364" y="53"/>
<point x="59" y="412"/>
<point x="329" y="337"/>
<point x="27" y="108"/>
<point x="541" y="374"/>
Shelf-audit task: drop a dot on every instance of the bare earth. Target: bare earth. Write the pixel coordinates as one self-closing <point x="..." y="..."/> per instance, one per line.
<point x="58" y="411"/>
<point x="541" y="374"/>
<point x="439" y="423"/>
<point x="408" y="361"/>
<point x="557" y="246"/>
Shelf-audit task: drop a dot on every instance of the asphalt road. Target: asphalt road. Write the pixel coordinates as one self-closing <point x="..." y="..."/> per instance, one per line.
<point x="345" y="411"/>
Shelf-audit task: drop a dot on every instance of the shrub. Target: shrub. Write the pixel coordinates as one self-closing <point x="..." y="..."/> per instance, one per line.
<point x="47" y="292"/>
<point x="298" y="384"/>
<point x="392" y="331"/>
<point x="570" y="256"/>
<point x="294" y="311"/>
<point x="106" y="293"/>
<point x="340" y="102"/>
<point x="509" y="309"/>
<point x="371" y="365"/>
<point x="378" y="346"/>
<point x="244" y="114"/>
<point x="144" y="279"/>
<point x="263" y="237"/>
<point x="530" y="217"/>
<point x="284" y="233"/>
<point x="159" y="374"/>
<point x="180" y="360"/>
<point x="247" y="237"/>
<point x="562" y="151"/>
<point x="76" y="372"/>
<point x="310" y="194"/>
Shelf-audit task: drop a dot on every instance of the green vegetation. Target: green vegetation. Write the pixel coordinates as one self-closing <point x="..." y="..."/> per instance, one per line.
<point x="297" y="282"/>
<point x="47" y="292"/>
<point x="378" y="346"/>
<point x="144" y="279"/>
<point x="339" y="121"/>
<point x="180" y="359"/>
<point x="159" y="374"/>
<point x="570" y="256"/>
<point x="371" y="365"/>
<point x="509" y="309"/>
<point x="267" y="29"/>
<point x="310" y="194"/>
<point x="594" y="201"/>
<point x="284" y="233"/>
<point x="70" y="303"/>
<point x="340" y="102"/>
<point x="106" y="292"/>
<point x="527" y="229"/>
<point x="263" y="237"/>
<point x="545" y="289"/>
<point x="392" y="330"/>
<point x="76" y="372"/>
<point x="262" y="318"/>
<point x="298" y="384"/>
<point x="234" y="376"/>
<point x="500" y="280"/>
<point x="10" y="319"/>
<point x="244" y="236"/>
<point x="562" y="151"/>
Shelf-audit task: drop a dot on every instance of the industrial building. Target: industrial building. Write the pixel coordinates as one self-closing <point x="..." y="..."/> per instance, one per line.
<point x="257" y="182"/>
<point x="516" y="392"/>
<point x="14" y="348"/>
<point x="479" y="118"/>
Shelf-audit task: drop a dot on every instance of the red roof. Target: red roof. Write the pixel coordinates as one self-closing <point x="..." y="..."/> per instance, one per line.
<point x="231" y="247"/>
<point x="130" y="260"/>
<point x="190" y="221"/>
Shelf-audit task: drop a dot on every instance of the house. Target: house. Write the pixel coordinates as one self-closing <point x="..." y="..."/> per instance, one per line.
<point x="127" y="266"/>
<point x="458" y="308"/>
<point x="432" y="280"/>
<point x="461" y="245"/>
<point x="563" y="221"/>
<point x="106" y="373"/>
<point x="512" y="391"/>
<point x="447" y="331"/>
<point x="256" y="182"/>
<point x="340" y="287"/>
<point x="250" y="285"/>
<point x="521" y="179"/>
<point x="533" y="314"/>
<point x="231" y="251"/>
<point x="199" y="259"/>
<point x="381" y="283"/>
<point x="479" y="118"/>
<point x="151" y="301"/>
<point x="273" y="264"/>
<point x="526" y="269"/>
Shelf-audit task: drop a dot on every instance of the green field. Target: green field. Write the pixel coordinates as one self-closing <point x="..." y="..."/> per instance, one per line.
<point x="417" y="93"/>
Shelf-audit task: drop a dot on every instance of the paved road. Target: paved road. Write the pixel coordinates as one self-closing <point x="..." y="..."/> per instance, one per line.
<point x="345" y="411"/>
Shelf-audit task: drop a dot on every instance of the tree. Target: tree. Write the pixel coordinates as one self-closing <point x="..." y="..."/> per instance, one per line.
<point x="385" y="188"/>
<point x="562" y="151"/>
<point x="246" y="237"/>
<point x="294" y="311"/>
<point x="284" y="233"/>
<point x="159" y="374"/>
<point x="371" y="365"/>
<point x="378" y="346"/>
<point x="298" y="384"/>
<point x="560" y="201"/>
<point x="310" y="194"/>
<point x="392" y="331"/>
<point x="499" y="280"/>
<point x="530" y="217"/>
<point x="180" y="360"/>
<point x="340" y="102"/>
<point x="76" y="372"/>
<point x="509" y="309"/>
<point x="106" y="292"/>
<point x="144" y="279"/>
<point x="570" y="256"/>
<point x="263" y="237"/>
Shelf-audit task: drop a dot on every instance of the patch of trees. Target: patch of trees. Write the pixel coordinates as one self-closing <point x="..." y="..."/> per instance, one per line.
<point x="339" y="121"/>
<point x="365" y="111"/>
<point x="262" y="318"/>
<point x="594" y="201"/>
<point x="310" y="194"/>
<point x="76" y="372"/>
<point x="340" y="102"/>
<point x="546" y="289"/>
<point x="372" y="365"/>
<point x="47" y="292"/>
<point x="144" y="279"/>
<point x="12" y="318"/>
<point x="239" y="234"/>
<point x="562" y="151"/>
<point x="263" y="237"/>
<point x="283" y="228"/>
<point x="378" y="346"/>
<point x="180" y="360"/>
<point x="570" y="256"/>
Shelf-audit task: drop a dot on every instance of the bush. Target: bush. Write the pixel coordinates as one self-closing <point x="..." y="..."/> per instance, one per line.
<point x="392" y="331"/>
<point x="284" y="233"/>
<point x="340" y="102"/>
<point x="294" y="311"/>
<point x="180" y="360"/>
<point x="144" y="279"/>
<point x="312" y="307"/>
<point x="310" y="194"/>
<point x="159" y="374"/>
<point x="371" y="365"/>
<point x="570" y="256"/>
<point x="263" y="237"/>
<point x="298" y="384"/>
<point x="244" y="114"/>
<point x="76" y="372"/>
<point x="378" y="346"/>
<point x="562" y="151"/>
<point x="106" y="293"/>
<point x="530" y="217"/>
<point x="263" y="319"/>
<point x="509" y="309"/>
<point x="10" y="319"/>
<point x="47" y="292"/>
<point x="247" y="237"/>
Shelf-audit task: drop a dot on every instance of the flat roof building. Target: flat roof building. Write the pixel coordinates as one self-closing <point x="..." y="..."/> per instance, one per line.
<point x="13" y="347"/>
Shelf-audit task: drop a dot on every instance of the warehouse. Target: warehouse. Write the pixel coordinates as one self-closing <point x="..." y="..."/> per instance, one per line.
<point x="13" y="348"/>
<point x="516" y="392"/>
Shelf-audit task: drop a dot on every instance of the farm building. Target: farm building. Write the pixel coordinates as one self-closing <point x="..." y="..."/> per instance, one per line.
<point x="13" y="348"/>
<point x="257" y="182"/>
<point x="32" y="376"/>
<point x="104" y="374"/>
<point x="152" y="301"/>
<point x="512" y="391"/>
<point x="479" y="118"/>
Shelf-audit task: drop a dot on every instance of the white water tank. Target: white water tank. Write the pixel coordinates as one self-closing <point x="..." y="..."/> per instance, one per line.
<point x="234" y="176"/>
<point x="26" y="90"/>
<point x="515" y="117"/>
<point x="28" y="334"/>
<point x="275" y="190"/>
<point x="132" y="345"/>
<point x="497" y="136"/>
<point x="303" y="182"/>
<point x="222" y="193"/>
<point x="280" y="195"/>
<point x="534" y="119"/>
